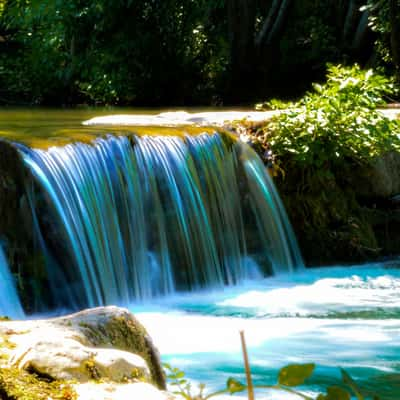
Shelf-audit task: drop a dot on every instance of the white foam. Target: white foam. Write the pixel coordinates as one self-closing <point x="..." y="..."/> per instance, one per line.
<point x="286" y="319"/>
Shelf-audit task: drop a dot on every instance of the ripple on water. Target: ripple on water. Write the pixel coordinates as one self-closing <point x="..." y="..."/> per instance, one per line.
<point x="346" y="317"/>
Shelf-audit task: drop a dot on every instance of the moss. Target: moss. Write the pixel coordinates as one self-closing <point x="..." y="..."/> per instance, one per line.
<point x="327" y="217"/>
<point x="125" y="333"/>
<point x="62" y="137"/>
<point x="16" y="384"/>
<point x="5" y="342"/>
<point x="93" y="371"/>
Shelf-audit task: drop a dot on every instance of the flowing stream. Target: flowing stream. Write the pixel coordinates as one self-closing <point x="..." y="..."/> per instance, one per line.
<point x="335" y="317"/>
<point x="190" y="233"/>
<point x="142" y="217"/>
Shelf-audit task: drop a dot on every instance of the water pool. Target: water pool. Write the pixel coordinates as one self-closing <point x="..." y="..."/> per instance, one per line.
<point x="340" y="316"/>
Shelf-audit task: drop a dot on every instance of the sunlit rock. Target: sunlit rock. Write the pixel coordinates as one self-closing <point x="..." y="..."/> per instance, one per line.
<point x="104" y="344"/>
<point x="67" y="359"/>
<point x="181" y="118"/>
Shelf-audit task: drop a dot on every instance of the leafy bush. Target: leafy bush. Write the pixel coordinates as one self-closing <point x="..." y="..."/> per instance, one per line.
<point x="315" y="146"/>
<point x="290" y="376"/>
<point x="338" y="121"/>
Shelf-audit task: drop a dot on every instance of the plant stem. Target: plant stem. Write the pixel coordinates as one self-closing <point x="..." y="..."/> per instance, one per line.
<point x="216" y="394"/>
<point x="250" y="389"/>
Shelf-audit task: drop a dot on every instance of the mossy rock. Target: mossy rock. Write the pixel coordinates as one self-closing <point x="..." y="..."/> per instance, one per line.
<point x="118" y="328"/>
<point x="101" y="343"/>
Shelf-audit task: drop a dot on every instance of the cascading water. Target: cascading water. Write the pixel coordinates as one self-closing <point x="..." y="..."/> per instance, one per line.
<point x="10" y="305"/>
<point x="138" y="217"/>
<point x="129" y="218"/>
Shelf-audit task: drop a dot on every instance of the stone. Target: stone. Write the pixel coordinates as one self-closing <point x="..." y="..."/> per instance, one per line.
<point x="380" y="179"/>
<point x="70" y="360"/>
<point x="106" y="345"/>
<point x="183" y="118"/>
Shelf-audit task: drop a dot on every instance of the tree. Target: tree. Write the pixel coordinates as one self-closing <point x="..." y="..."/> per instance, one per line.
<point x="253" y="31"/>
<point x="267" y="52"/>
<point x="384" y="19"/>
<point x="394" y="12"/>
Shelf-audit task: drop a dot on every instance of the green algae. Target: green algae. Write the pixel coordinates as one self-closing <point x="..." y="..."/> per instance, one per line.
<point x="42" y="128"/>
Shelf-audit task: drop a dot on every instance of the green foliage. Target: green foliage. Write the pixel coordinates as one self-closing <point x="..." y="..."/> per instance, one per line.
<point x="379" y="22"/>
<point x="181" y="386"/>
<point x="323" y="139"/>
<point x="335" y="393"/>
<point x="234" y="386"/>
<point x="295" y="374"/>
<point x="173" y="52"/>
<point x="106" y="52"/>
<point x="288" y="377"/>
<point x="348" y="380"/>
<point x="335" y="122"/>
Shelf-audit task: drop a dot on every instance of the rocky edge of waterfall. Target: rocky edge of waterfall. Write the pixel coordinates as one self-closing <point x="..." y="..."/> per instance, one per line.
<point x="96" y="354"/>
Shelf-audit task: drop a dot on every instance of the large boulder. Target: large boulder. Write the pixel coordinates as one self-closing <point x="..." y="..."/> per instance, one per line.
<point x="104" y="345"/>
<point x="380" y="179"/>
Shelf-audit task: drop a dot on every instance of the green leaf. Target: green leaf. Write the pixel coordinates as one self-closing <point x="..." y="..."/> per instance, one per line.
<point x="234" y="386"/>
<point x="337" y="393"/>
<point x="295" y="374"/>
<point x="180" y="375"/>
<point x="348" y="380"/>
<point x="167" y="366"/>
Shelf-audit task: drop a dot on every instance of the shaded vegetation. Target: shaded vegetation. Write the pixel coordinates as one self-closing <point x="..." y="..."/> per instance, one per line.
<point x="184" y="52"/>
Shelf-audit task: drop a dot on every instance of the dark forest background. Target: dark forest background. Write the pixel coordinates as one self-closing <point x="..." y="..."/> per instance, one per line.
<point x="186" y="52"/>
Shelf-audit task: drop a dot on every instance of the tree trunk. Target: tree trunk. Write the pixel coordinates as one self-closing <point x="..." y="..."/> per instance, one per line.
<point x="349" y="20"/>
<point x="280" y="20"/>
<point x="241" y="23"/>
<point x="361" y="31"/>
<point x="395" y="35"/>
<point x="266" y="27"/>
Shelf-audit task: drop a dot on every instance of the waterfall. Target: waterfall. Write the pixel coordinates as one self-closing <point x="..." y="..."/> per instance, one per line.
<point x="137" y="217"/>
<point x="10" y="305"/>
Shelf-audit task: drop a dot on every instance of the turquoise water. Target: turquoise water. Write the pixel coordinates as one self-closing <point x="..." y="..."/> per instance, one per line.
<point x="335" y="317"/>
<point x="142" y="217"/>
<point x="10" y="305"/>
<point x="347" y="317"/>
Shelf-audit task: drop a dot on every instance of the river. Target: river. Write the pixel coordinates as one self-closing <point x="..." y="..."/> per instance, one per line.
<point x="335" y="317"/>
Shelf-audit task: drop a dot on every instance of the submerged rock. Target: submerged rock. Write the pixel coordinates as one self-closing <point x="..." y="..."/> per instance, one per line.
<point x="104" y="345"/>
